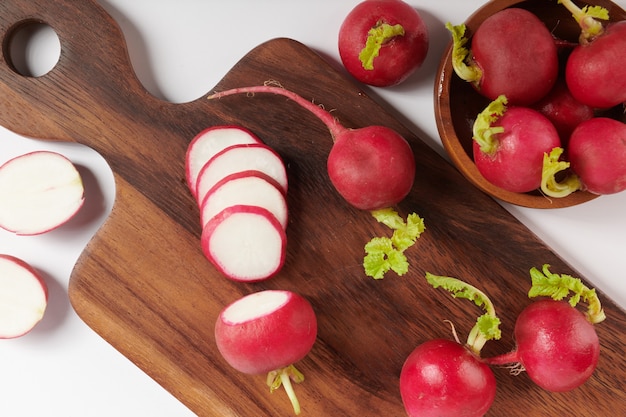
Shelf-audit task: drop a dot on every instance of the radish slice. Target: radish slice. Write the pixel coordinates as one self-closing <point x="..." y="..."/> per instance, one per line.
<point x="39" y="191"/>
<point x="210" y="142"/>
<point x="246" y="243"/>
<point x="23" y="297"/>
<point x="251" y="188"/>
<point x="239" y="158"/>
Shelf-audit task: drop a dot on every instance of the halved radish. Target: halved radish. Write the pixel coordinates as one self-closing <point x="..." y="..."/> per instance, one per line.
<point x="208" y="143"/>
<point x="238" y="158"/>
<point x="23" y="297"/>
<point x="39" y="191"/>
<point x="251" y="188"/>
<point x="246" y="243"/>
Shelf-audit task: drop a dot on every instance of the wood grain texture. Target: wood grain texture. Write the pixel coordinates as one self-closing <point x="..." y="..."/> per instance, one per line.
<point x="143" y="284"/>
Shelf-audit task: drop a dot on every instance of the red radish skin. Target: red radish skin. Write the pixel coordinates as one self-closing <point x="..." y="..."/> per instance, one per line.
<point x="374" y="169"/>
<point x="597" y="154"/>
<point x="239" y="158"/>
<point x="245" y="243"/>
<point x="39" y="192"/>
<point x="383" y="42"/>
<point x="563" y="110"/>
<point x="556" y="345"/>
<point x="442" y="378"/>
<point x="252" y="188"/>
<point x="512" y="157"/>
<point x="267" y="332"/>
<point x="513" y="54"/>
<point x="23" y="297"/>
<point x="208" y="143"/>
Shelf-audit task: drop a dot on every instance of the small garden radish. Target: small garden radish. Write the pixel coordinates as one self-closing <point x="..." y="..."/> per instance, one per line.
<point x="39" y="192"/>
<point x="371" y="167"/>
<point x="595" y="70"/>
<point x="512" y="53"/>
<point x="23" y="297"/>
<point x="267" y="332"/>
<point x="509" y="144"/>
<point x="597" y="154"/>
<point x="443" y="378"/>
<point x="208" y="143"/>
<point x="246" y="243"/>
<point x="557" y="345"/>
<point x="382" y="42"/>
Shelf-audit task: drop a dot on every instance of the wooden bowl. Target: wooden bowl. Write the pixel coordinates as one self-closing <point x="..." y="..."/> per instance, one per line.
<point x="457" y="103"/>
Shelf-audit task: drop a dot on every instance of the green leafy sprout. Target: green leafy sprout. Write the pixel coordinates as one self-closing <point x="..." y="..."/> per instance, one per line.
<point x="465" y="70"/>
<point x="483" y="132"/>
<point x="387" y="253"/>
<point x="587" y="19"/>
<point x="377" y="36"/>
<point x="559" y="286"/>
<point x="552" y="166"/>
<point x="284" y="376"/>
<point x="487" y="326"/>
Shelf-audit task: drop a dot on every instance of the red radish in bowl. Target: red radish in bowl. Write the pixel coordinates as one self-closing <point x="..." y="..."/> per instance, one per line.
<point x="252" y="188"/>
<point x="596" y="69"/>
<point x="23" y="297"/>
<point x="557" y="345"/>
<point x="444" y="378"/>
<point x="208" y="143"/>
<point x="509" y="144"/>
<point x="239" y="158"/>
<point x="512" y="53"/>
<point x="246" y="243"/>
<point x="382" y="42"/>
<point x="39" y="192"/>
<point x="597" y="154"/>
<point x="268" y="332"/>
<point x="371" y="167"/>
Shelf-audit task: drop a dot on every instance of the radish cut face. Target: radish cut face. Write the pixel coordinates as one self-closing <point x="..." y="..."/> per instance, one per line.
<point x="250" y="188"/>
<point x="253" y="306"/>
<point x="246" y="243"/>
<point x="39" y="191"/>
<point x="209" y="143"/>
<point x="23" y="297"/>
<point x="239" y="158"/>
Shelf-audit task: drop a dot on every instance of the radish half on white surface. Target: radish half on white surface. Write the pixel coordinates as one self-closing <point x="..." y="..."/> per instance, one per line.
<point x="39" y="191"/>
<point x="246" y="243"/>
<point x="210" y="142"/>
<point x="239" y="158"/>
<point x="23" y="297"/>
<point x="251" y="188"/>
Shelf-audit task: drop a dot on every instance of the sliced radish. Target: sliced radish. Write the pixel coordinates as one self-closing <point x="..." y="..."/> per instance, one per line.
<point x="39" y="191"/>
<point x="208" y="143"/>
<point x="23" y="297"/>
<point x="238" y="158"/>
<point x="251" y="188"/>
<point x="246" y="243"/>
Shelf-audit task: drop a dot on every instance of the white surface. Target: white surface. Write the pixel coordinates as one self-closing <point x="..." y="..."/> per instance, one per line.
<point x="180" y="51"/>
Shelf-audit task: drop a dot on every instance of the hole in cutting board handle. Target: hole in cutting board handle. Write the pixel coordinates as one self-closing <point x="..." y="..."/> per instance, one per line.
<point x="32" y="48"/>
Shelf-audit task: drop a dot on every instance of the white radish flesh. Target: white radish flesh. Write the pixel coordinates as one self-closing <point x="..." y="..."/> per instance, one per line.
<point x="251" y="188"/>
<point x="210" y="142"/>
<point x="23" y="297"/>
<point x="39" y="191"/>
<point x="240" y="158"/>
<point x="246" y="243"/>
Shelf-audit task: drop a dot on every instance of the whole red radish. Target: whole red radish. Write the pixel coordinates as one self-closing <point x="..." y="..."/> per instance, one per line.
<point x="23" y="297"/>
<point x="382" y="42"/>
<point x="443" y="378"/>
<point x="509" y="144"/>
<point x="596" y="69"/>
<point x="512" y="53"/>
<point x="597" y="154"/>
<point x="371" y="167"/>
<point x="557" y="345"/>
<point x="563" y="110"/>
<point x="267" y="332"/>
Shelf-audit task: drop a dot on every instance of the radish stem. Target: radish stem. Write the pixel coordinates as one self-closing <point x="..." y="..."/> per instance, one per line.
<point x="469" y="73"/>
<point x="586" y="19"/>
<point x="482" y="131"/>
<point x="376" y="37"/>
<point x="551" y="167"/>
<point x="271" y="87"/>
<point x="283" y="377"/>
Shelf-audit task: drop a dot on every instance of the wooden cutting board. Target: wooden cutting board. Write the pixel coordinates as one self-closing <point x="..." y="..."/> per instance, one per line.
<point x="143" y="284"/>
